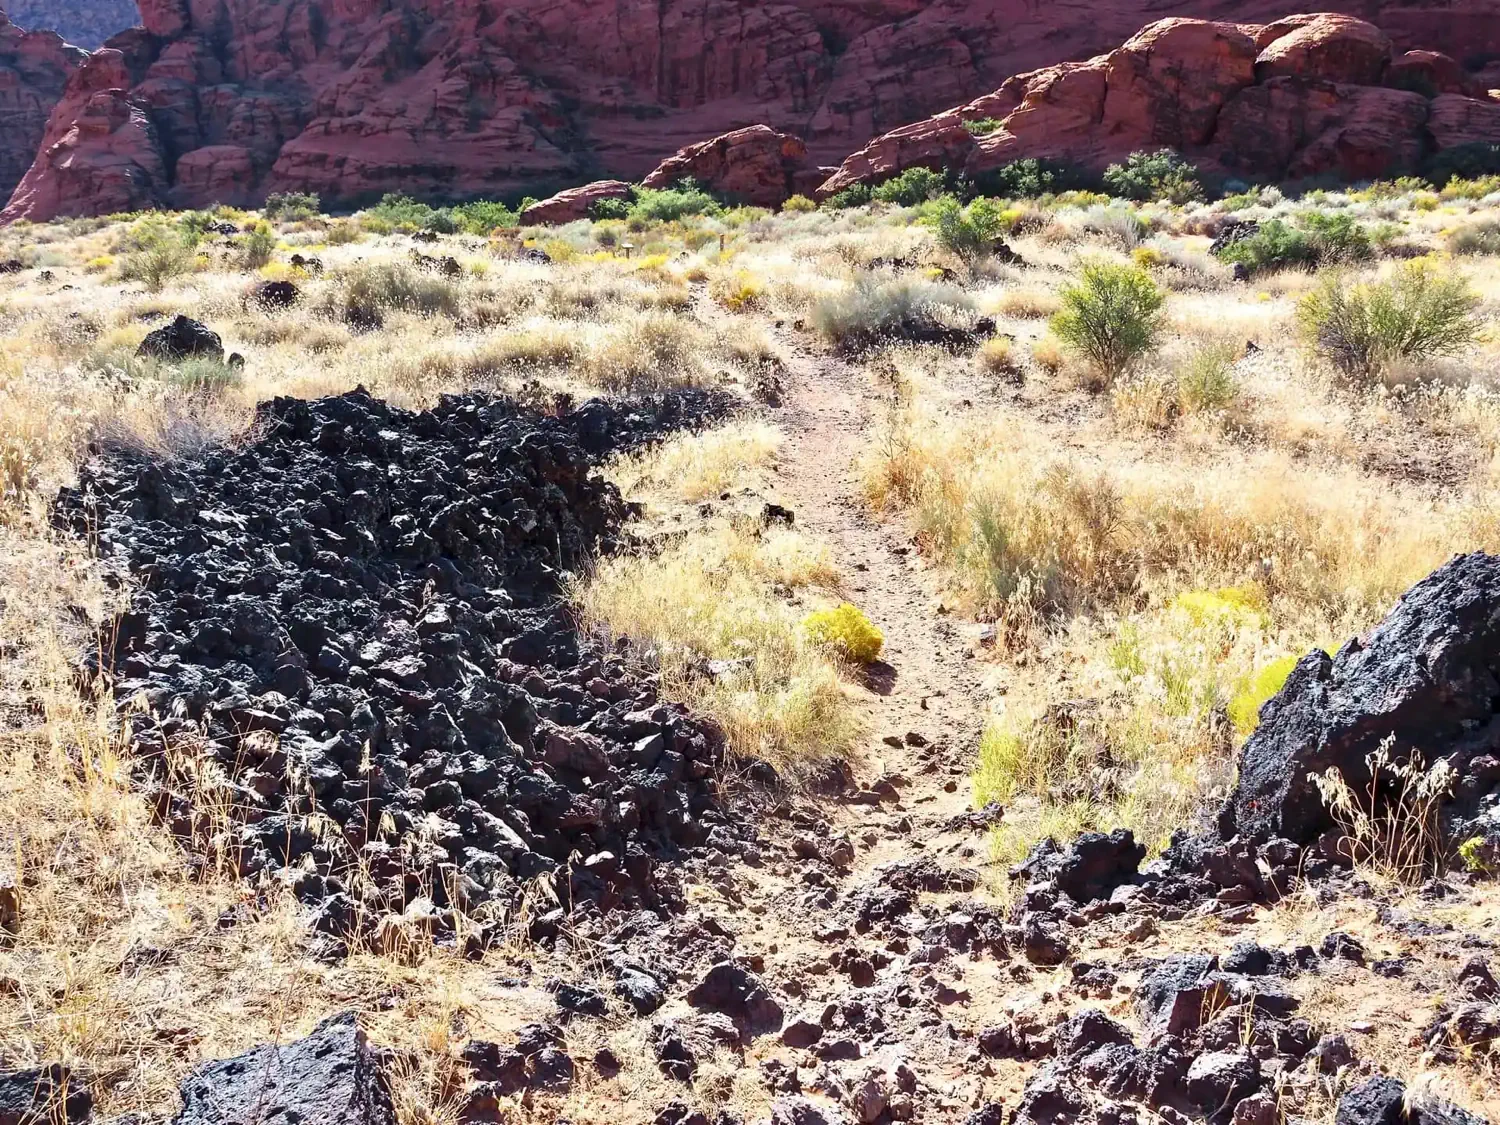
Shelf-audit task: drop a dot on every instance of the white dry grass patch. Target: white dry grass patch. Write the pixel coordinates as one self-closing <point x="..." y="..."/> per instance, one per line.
<point x="716" y="613"/>
<point x="698" y="466"/>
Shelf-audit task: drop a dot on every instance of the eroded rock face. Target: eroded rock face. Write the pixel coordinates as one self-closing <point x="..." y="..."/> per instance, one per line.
<point x="1305" y="96"/>
<point x="34" y="69"/>
<point x="355" y="98"/>
<point x="757" y="165"/>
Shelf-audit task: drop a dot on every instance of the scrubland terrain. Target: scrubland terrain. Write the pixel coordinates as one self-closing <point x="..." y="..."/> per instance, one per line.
<point x="1093" y="542"/>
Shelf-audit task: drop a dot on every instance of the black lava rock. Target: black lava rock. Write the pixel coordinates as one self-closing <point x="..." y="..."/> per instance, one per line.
<point x="332" y="1077"/>
<point x="356" y="615"/>
<point x="43" y="1094"/>
<point x="1426" y="679"/>
<point x="184" y="338"/>
<point x="738" y="994"/>
<point x="1375" y="1102"/>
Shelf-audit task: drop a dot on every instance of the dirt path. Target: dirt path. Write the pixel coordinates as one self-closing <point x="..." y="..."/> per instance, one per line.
<point x="924" y="704"/>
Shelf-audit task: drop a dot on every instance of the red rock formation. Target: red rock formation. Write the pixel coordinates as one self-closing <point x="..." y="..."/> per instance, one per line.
<point x="757" y="165"/>
<point x="1304" y="96"/>
<point x="574" y="204"/>
<point x="354" y="98"/>
<point x="34" y="69"/>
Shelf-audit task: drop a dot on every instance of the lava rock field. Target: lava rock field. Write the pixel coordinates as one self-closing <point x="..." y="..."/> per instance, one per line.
<point x="346" y="643"/>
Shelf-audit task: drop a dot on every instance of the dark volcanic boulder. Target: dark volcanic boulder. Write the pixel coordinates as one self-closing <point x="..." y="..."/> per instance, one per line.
<point x="332" y="1077"/>
<point x="1427" y="679"/>
<point x="45" y="1094"/>
<point x="184" y="338"/>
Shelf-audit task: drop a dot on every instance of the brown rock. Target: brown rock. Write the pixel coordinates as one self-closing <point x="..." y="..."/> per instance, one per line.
<point x="569" y="206"/>
<point x="1455" y="120"/>
<point x="757" y="165"/>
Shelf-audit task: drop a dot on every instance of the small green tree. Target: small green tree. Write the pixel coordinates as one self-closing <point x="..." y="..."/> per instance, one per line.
<point x="292" y="206"/>
<point x="258" y="246"/>
<point x="969" y="232"/>
<point x="160" y="251"/>
<point x="1111" y="316"/>
<point x="1162" y="175"/>
<point x="1418" y="313"/>
<point x="913" y="186"/>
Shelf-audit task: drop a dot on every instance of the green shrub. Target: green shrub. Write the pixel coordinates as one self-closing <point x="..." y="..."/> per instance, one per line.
<point x="161" y="252"/>
<point x="1111" y="316"/>
<point x="911" y="187"/>
<point x="969" y="232"/>
<point x="374" y="287"/>
<point x="603" y="210"/>
<point x="257" y="246"/>
<point x="1275" y="246"/>
<point x="1419" y="313"/>
<point x="1482" y="237"/>
<point x="1472" y="161"/>
<point x="1244" y="708"/>
<point x="1336" y="237"/>
<point x="799" y="204"/>
<point x="671" y="204"/>
<point x="847" y="631"/>
<point x="984" y="126"/>
<point x="292" y="206"/>
<point x="198" y="374"/>
<point x="484" y="216"/>
<point x="1162" y="175"/>
<point x="1205" y="380"/>
<point x="855" y="195"/>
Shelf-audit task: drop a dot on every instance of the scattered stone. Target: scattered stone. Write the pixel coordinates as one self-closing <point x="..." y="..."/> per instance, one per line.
<point x="1218" y="1079"/>
<point x="1342" y="946"/>
<point x="796" y="1111"/>
<point x="738" y="994"/>
<point x="275" y="295"/>
<point x="1377" y="1101"/>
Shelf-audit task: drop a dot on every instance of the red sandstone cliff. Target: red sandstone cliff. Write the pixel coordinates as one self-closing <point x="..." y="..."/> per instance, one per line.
<point x="230" y="99"/>
<point x="34" y="68"/>
<point x="1304" y="96"/>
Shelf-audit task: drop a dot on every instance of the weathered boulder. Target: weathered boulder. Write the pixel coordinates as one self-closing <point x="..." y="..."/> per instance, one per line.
<point x="574" y="204"/>
<point x="184" y="338"/>
<point x="1325" y="46"/>
<point x="1425" y="683"/>
<point x="757" y="165"/>
<point x="331" y="1077"/>
<point x="739" y="994"/>
<point x="1432" y="73"/>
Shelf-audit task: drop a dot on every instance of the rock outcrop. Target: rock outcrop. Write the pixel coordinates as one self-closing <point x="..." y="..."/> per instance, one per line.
<point x="1304" y="96"/>
<point x="575" y="203"/>
<point x="1424" y="686"/>
<point x="332" y="1077"/>
<point x="83" y="23"/>
<point x="229" y="100"/>
<point x="757" y="165"/>
<point x="34" y="70"/>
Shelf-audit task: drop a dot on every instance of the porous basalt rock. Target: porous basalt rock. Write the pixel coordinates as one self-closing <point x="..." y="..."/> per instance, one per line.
<point x="354" y="616"/>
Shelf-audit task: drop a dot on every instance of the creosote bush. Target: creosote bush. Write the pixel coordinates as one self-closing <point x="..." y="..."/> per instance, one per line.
<point x="1111" y="316"/>
<point x="1420" y="312"/>
<point x="968" y="232"/>
<point x="1162" y="175"/>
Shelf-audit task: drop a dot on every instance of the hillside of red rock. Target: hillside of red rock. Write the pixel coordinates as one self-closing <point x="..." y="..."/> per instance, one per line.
<point x="1305" y="96"/>
<point x="230" y="99"/>
<point x="83" y="23"/>
<point x="34" y="68"/>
